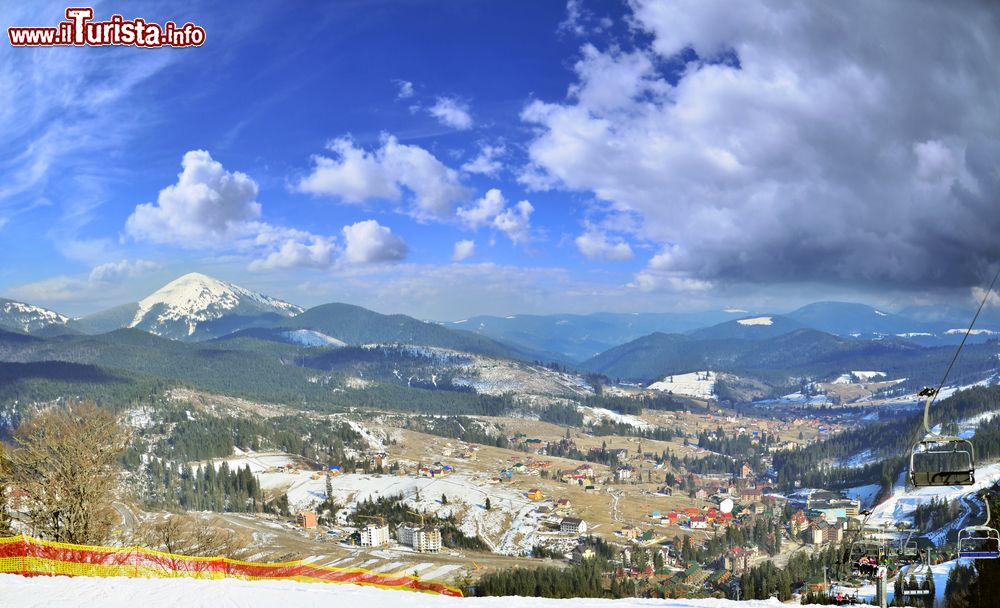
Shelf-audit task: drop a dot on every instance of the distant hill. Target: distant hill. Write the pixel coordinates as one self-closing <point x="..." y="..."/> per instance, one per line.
<point x="27" y="317"/>
<point x="356" y="325"/>
<point x="749" y="328"/>
<point x="848" y="319"/>
<point x="799" y="353"/>
<point x="107" y="320"/>
<point x="580" y="337"/>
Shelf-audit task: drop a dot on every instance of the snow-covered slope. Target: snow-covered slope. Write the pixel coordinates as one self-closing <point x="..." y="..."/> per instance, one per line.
<point x="695" y="384"/>
<point x="62" y="592"/>
<point x="196" y="306"/>
<point x="26" y="317"/>
<point x="309" y="337"/>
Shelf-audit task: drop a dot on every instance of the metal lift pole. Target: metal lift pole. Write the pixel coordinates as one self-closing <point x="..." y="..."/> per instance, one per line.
<point x="880" y="590"/>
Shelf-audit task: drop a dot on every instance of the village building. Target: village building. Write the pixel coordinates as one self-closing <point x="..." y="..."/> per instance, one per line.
<point x="573" y="525"/>
<point x="423" y="539"/>
<point x="581" y="553"/>
<point x="374" y="536"/>
<point x="738" y="559"/>
<point x="307" y="520"/>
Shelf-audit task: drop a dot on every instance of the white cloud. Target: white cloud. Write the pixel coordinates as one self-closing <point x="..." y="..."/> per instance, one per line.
<point x="484" y="210"/>
<point x="294" y="249"/>
<point x="759" y="157"/>
<point x="405" y="89"/>
<point x="215" y="209"/>
<point x="55" y="289"/>
<point x="515" y="222"/>
<point x="486" y="163"/>
<point x="114" y="272"/>
<point x="580" y="21"/>
<point x="105" y="283"/>
<point x="452" y="113"/>
<point x="369" y="242"/>
<point x="62" y="115"/>
<point x="463" y="250"/>
<point x="355" y="175"/>
<point x="660" y="275"/>
<point x="492" y="210"/>
<point x="979" y="293"/>
<point x="207" y="205"/>
<point x="595" y="245"/>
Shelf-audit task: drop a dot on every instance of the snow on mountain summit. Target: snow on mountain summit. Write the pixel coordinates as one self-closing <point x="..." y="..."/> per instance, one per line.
<point x="177" y="309"/>
<point x="27" y="317"/>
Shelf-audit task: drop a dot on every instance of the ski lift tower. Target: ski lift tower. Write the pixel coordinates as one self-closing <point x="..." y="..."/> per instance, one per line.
<point x="881" y="587"/>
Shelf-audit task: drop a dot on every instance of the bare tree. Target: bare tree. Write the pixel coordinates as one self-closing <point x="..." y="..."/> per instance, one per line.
<point x="185" y="534"/>
<point x="64" y="465"/>
<point x="5" y="529"/>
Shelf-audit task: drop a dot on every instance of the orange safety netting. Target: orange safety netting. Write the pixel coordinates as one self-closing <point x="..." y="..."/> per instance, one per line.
<point x="30" y="556"/>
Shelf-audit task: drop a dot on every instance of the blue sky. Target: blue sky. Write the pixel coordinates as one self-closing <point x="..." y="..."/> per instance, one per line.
<point x="449" y="159"/>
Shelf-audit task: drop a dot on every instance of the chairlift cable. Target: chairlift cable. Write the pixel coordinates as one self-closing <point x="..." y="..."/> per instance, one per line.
<point x="933" y="396"/>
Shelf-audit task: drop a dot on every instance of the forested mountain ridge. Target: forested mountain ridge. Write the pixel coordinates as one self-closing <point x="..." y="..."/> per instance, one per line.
<point x="802" y="353"/>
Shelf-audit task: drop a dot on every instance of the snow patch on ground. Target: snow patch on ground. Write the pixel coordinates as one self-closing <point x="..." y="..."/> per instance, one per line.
<point x="257" y="461"/>
<point x="593" y="414"/>
<point x="858" y="460"/>
<point x="865" y="493"/>
<point x="903" y="501"/>
<point x="757" y="321"/>
<point x="796" y="398"/>
<point x="64" y="592"/>
<point x="694" y="384"/>
<point x="309" y="337"/>
<point x="511" y="526"/>
<point x="858" y="376"/>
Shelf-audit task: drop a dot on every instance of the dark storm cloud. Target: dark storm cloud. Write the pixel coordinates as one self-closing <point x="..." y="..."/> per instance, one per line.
<point x="852" y="142"/>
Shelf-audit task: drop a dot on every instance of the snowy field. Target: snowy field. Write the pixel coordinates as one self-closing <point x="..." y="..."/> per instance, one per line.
<point x="595" y="414"/>
<point x="796" y="398"/>
<point x="59" y="592"/>
<point x="865" y="493"/>
<point x="257" y="461"/>
<point x="859" y="376"/>
<point x="757" y="321"/>
<point x="512" y="526"/>
<point x="695" y="384"/>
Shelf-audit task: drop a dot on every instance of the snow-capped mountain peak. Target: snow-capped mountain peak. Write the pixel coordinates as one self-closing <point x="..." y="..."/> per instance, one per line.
<point x="179" y="307"/>
<point x="27" y="317"/>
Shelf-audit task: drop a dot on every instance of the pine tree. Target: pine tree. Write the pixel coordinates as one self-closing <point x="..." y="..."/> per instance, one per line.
<point x="488" y="504"/>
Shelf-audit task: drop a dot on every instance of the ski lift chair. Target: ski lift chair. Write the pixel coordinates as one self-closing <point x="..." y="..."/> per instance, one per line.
<point x="941" y="460"/>
<point x="909" y="551"/>
<point x="921" y="572"/>
<point x="979" y="542"/>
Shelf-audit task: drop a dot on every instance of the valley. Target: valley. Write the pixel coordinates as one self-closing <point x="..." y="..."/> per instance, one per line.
<point x="297" y="435"/>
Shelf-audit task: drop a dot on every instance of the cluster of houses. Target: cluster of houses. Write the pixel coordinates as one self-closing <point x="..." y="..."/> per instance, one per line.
<point x="824" y="518"/>
<point x="520" y="441"/>
<point x="435" y="470"/>
<point x="529" y="467"/>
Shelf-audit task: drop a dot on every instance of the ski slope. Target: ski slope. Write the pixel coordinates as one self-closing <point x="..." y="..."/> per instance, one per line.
<point x="60" y="592"/>
<point x="695" y="384"/>
<point x="903" y="501"/>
